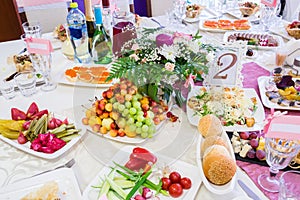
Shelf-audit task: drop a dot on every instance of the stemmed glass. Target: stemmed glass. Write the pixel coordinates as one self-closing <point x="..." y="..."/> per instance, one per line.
<point x="279" y="153"/>
<point x="267" y="15"/>
<point x="179" y="10"/>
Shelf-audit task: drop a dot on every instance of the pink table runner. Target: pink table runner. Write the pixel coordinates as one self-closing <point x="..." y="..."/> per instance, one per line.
<point x="251" y="71"/>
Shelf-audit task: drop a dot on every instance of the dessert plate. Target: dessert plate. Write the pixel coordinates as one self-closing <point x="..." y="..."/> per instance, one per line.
<point x="122" y="156"/>
<point x="216" y="189"/>
<point x="259" y="114"/>
<point x="64" y="177"/>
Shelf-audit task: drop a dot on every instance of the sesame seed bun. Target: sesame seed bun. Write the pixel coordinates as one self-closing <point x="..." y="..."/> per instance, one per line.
<point x="218" y="166"/>
<point x="210" y="125"/>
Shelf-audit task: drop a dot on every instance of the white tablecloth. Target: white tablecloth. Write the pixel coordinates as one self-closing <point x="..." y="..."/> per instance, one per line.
<point x="176" y="140"/>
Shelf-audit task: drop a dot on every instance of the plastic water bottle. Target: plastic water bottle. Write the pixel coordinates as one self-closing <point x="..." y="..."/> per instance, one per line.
<point x="78" y="34"/>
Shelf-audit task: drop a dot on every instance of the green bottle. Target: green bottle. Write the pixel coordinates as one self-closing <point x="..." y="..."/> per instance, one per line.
<point x="102" y="46"/>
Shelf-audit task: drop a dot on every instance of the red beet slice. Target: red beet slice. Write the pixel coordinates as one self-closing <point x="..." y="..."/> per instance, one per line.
<point x="17" y="114"/>
<point x="32" y="110"/>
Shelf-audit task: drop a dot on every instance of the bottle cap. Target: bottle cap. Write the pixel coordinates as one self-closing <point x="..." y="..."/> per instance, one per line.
<point x="73" y="5"/>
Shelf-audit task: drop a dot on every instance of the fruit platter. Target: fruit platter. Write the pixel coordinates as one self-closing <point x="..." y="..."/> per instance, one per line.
<point x="262" y="41"/>
<point x="223" y="25"/>
<point x="125" y="115"/>
<point x="39" y="132"/>
<point x="86" y="75"/>
<point x="243" y="105"/>
<point x="139" y="173"/>
<point x="215" y="156"/>
<point x="281" y="95"/>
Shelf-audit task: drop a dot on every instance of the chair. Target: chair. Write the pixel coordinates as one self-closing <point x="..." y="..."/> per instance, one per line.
<point x="10" y="21"/>
<point x="49" y="15"/>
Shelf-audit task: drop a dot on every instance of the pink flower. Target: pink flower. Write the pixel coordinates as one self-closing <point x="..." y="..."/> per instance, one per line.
<point x="169" y="66"/>
<point x="134" y="57"/>
<point x="189" y="80"/>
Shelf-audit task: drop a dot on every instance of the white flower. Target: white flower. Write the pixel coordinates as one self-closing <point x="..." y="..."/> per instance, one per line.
<point x="169" y="66"/>
<point x="134" y="57"/>
<point x="169" y="52"/>
<point x="210" y="56"/>
<point x="135" y="47"/>
<point x="194" y="47"/>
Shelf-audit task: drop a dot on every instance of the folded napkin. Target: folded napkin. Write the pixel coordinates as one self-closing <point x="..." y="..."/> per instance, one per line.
<point x="293" y="50"/>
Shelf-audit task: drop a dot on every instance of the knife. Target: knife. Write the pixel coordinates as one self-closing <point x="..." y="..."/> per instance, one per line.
<point x="248" y="191"/>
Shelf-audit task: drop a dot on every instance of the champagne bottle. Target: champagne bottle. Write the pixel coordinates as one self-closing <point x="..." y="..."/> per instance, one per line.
<point x="102" y="46"/>
<point x="90" y="22"/>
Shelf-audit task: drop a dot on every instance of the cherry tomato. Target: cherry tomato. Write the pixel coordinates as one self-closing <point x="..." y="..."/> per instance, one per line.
<point x="166" y="182"/>
<point x="175" y="190"/>
<point x="175" y="177"/>
<point x="186" y="183"/>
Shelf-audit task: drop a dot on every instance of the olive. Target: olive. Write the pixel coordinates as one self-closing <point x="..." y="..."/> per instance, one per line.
<point x="249" y="52"/>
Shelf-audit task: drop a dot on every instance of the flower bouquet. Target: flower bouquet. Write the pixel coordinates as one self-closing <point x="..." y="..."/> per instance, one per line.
<point x="162" y="63"/>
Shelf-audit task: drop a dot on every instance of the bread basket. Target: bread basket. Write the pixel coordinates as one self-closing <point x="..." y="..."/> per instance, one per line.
<point x="193" y="11"/>
<point x="294" y="32"/>
<point x="247" y="11"/>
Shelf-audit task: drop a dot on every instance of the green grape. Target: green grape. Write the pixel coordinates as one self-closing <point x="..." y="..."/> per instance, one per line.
<point x="113" y="100"/>
<point x="125" y="112"/>
<point x="145" y="128"/>
<point x="150" y="135"/>
<point x="130" y="120"/>
<point x="151" y="129"/>
<point x="150" y="114"/>
<point x="134" y="98"/>
<point x="138" y="124"/>
<point x="127" y="104"/>
<point x="140" y="113"/>
<point x="148" y="121"/>
<point x="140" y="118"/>
<point x="121" y="107"/>
<point x="132" y="111"/>
<point x="138" y="130"/>
<point x="132" y="128"/>
<point x="139" y="96"/>
<point x="136" y="104"/>
<point x="144" y="134"/>
<point x="115" y="105"/>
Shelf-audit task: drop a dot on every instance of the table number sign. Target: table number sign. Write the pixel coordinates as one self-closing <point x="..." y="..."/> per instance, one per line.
<point x="39" y="46"/>
<point x="270" y="3"/>
<point x="226" y="68"/>
<point x="284" y="127"/>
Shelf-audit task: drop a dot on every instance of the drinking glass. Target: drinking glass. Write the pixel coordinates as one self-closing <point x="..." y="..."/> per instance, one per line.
<point x="32" y="29"/>
<point x="7" y="89"/>
<point x="278" y="71"/>
<point x="179" y="7"/>
<point x="289" y="185"/>
<point x="42" y="64"/>
<point x="279" y="153"/>
<point x="26" y="82"/>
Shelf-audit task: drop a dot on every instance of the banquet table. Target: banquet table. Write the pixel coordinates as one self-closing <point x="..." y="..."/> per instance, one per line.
<point x="175" y="140"/>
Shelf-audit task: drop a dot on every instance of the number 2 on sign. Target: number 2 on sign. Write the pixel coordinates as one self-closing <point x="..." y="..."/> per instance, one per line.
<point x="225" y="68"/>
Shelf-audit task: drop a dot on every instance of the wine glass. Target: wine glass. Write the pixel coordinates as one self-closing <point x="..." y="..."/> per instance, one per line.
<point x="179" y="10"/>
<point x="279" y="153"/>
<point x="266" y="17"/>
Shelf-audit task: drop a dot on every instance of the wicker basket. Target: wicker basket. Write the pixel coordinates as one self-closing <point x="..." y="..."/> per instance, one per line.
<point x="295" y="164"/>
<point x="195" y="12"/>
<point x="294" y="32"/>
<point x="247" y="11"/>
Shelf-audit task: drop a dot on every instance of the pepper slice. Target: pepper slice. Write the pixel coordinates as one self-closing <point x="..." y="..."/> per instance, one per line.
<point x="140" y="150"/>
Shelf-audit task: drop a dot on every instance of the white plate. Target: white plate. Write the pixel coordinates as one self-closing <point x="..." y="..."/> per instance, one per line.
<point x="223" y="189"/>
<point x="279" y="40"/>
<point x="122" y="156"/>
<point x="65" y="178"/>
<point x="125" y="139"/>
<point x="56" y="154"/>
<point x="63" y="80"/>
<point x="56" y="43"/>
<point x="206" y="13"/>
<point x="259" y="115"/>
<point x="262" y="82"/>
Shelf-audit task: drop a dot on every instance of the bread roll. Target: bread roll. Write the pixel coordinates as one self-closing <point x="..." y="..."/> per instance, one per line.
<point x="212" y="140"/>
<point x="210" y="125"/>
<point x="218" y="166"/>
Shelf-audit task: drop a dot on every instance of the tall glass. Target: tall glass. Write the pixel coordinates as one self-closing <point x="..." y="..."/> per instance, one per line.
<point x="42" y="64"/>
<point x="267" y="15"/>
<point x="279" y="153"/>
<point x="123" y="30"/>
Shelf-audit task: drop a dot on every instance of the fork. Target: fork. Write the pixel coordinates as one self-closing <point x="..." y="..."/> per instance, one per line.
<point x="68" y="164"/>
